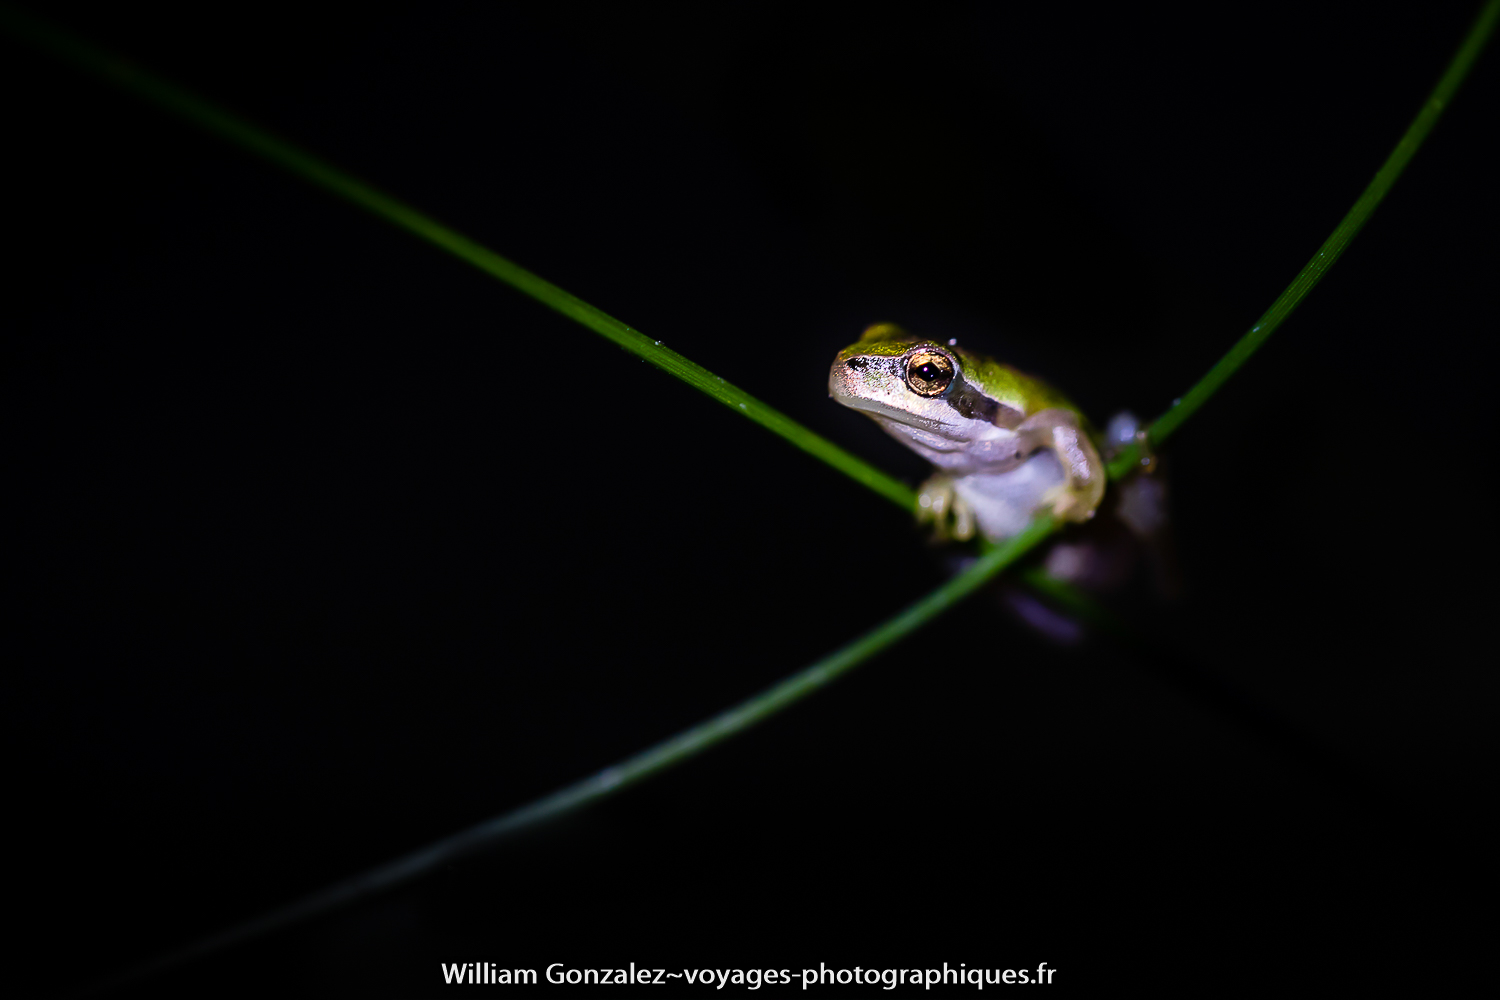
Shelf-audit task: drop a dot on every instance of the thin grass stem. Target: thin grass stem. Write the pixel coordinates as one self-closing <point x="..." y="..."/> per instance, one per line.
<point x="799" y="685"/>
<point x="209" y="116"/>
<point x="1332" y="249"/>
<point x="627" y="772"/>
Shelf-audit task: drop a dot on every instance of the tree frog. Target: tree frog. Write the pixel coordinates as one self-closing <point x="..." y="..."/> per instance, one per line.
<point x="1005" y="445"/>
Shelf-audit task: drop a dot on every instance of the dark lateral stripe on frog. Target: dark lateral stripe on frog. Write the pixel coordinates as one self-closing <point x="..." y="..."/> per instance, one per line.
<point x="972" y="404"/>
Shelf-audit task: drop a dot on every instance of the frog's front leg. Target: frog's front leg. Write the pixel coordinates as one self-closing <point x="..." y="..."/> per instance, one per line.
<point x="1084" y="473"/>
<point x="937" y="501"/>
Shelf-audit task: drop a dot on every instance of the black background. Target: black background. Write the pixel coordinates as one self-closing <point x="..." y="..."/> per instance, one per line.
<point x="324" y="545"/>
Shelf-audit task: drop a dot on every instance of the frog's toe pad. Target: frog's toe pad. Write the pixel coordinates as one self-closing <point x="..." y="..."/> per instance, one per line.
<point x="948" y="512"/>
<point x="1069" y="506"/>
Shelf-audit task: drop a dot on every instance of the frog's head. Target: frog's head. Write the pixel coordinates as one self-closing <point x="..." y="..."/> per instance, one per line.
<point x="928" y="394"/>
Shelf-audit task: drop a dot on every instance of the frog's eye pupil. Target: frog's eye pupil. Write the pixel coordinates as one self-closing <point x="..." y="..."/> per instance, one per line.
<point x="929" y="372"/>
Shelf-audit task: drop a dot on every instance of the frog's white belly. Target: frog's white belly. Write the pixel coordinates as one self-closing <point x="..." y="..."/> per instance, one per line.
<point x="1003" y="502"/>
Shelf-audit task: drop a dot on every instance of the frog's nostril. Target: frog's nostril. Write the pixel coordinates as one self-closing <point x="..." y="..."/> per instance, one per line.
<point x="857" y="363"/>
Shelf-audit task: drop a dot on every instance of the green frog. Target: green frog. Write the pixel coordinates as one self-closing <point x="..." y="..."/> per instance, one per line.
<point x="1005" y="445"/>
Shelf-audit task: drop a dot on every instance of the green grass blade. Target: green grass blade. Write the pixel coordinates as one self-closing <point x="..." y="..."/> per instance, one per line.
<point x="1332" y="248"/>
<point x="787" y="692"/>
<point x="205" y="114"/>
<point x="311" y="168"/>
<point x="627" y="772"/>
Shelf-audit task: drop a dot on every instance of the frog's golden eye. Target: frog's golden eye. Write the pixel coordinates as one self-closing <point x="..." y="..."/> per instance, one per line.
<point x="929" y="373"/>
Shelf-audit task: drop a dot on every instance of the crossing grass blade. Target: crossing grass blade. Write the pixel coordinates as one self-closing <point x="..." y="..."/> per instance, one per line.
<point x="746" y="714"/>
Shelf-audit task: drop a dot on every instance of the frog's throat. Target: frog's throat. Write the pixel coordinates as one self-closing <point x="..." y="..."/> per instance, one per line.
<point x="992" y="450"/>
<point x="919" y="430"/>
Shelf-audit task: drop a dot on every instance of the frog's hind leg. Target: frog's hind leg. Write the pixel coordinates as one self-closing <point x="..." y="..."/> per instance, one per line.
<point x="1084" y="474"/>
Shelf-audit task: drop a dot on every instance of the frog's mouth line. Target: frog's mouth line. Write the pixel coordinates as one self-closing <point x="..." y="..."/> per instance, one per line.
<point x="885" y="413"/>
<point x="948" y="443"/>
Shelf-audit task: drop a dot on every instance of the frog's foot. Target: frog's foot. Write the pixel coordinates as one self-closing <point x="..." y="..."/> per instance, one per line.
<point x="1067" y="503"/>
<point x="937" y="502"/>
<point x="1058" y="503"/>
